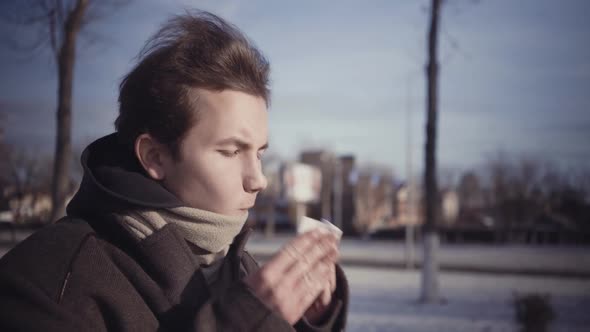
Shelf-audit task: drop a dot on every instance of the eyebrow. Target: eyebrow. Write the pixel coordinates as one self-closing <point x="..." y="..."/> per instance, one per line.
<point x="239" y="143"/>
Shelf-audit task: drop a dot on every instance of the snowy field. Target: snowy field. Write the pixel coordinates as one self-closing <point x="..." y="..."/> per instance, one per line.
<point x="386" y="300"/>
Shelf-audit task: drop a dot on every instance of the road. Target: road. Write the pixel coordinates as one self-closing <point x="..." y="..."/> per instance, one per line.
<point x="563" y="261"/>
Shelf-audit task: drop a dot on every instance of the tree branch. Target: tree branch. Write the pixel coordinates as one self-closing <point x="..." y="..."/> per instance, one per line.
<point x="96" y="13"/>
<point x="52" y="32"/>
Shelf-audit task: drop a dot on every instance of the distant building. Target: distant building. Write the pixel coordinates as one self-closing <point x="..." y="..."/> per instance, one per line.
<point x="373" y="202"/>
<point x="407" y="207"/>
<point x="348" y="179"/>
<point x="325" y="161"/>
<point x="356" y="201"/>
<point x="338" y="193"/>
<point x="449" y="205"/>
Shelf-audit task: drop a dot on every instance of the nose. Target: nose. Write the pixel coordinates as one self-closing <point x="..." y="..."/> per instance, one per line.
<point x="254" y="179"/>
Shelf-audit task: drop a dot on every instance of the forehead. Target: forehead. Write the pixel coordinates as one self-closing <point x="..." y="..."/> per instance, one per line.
<point x="227" y="113"/>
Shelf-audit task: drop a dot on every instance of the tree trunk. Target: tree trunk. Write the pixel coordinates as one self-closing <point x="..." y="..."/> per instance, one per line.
<point x="63" y="145"/>
<point x="430" y="289"/>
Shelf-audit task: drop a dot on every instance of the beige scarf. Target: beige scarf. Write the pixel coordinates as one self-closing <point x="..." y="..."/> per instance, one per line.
<point x="210" y="232"/>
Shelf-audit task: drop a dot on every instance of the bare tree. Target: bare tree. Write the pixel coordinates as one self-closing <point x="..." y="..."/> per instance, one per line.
<point x="430" y="264"/>
<point x="4" y="152"/>
<point x="518" y="187"/>
<point x="470" y="190"/>
<point x="28" y="179"/>
<point x="58" y="24"/>
<point x="447" y="177"/>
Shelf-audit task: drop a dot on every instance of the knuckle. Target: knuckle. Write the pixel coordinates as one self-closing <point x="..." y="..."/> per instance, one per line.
<point x="276" y="298"/>
<point x="265" y="275"/>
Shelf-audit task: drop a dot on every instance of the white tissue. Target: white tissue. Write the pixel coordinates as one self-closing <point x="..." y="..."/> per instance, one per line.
<point x="307" y="224"/>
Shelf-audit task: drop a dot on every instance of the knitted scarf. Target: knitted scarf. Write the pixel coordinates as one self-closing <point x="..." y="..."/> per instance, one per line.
<point x="211" y="233"/>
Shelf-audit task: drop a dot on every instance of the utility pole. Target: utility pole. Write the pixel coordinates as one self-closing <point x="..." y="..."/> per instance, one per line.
<point x="430" y="285"/>
<point x="409" y="237"/>
<point x="338" y="193"/>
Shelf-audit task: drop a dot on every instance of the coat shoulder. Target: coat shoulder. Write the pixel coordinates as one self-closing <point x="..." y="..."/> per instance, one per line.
<point x="45" y="257"/>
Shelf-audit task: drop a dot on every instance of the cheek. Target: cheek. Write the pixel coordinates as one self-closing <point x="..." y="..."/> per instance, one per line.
<point x="215" y="181"/>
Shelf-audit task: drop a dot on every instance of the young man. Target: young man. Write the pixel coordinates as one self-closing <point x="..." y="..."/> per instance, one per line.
<point x="154" y="238"/>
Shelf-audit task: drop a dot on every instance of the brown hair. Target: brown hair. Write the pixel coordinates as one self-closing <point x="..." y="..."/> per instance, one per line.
<point x="194" y="50"/>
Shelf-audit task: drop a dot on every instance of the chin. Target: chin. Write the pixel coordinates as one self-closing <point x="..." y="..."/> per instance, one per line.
<point x="234" y="213"/>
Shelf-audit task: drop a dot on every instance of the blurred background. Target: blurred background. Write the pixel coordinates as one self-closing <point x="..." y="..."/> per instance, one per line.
<point x="347" y="143"/>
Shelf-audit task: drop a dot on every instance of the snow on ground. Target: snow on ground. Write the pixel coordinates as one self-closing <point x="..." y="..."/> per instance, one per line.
<point x="386" y="300"/>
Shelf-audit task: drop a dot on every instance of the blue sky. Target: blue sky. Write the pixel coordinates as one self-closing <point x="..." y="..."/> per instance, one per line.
<point x="515" y="77"/>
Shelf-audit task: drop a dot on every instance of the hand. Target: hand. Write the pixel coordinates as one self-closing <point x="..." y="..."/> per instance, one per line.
<point x="322" y="304"/>
<point x="296" y="275"/>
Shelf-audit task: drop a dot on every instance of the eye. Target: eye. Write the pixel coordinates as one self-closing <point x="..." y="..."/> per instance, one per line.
<point x="260" y="154"/>
<point x="229" y="153"/>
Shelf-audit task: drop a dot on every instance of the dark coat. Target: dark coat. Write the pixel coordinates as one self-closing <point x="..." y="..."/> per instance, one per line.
<point x="86" y="273"/>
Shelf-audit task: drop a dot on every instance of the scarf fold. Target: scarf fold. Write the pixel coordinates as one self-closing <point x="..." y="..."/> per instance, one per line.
<point x="210" y="232"/>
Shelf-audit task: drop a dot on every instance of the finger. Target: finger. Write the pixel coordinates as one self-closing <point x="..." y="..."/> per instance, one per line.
<point x="306" y="249"/>
<point x="326" y="296"/>
<point x="270" y="279"/>
<point x="312" y="278"/>
<point x="308" y="291"/>
<point x="319" y="254"/>
<point x="315" y="280"/>
<point x="291" y="251"/>
<point x="324" y="248"/>
<point x="301" y="271"/>
<point x="300" y="300"/>
<point x="333" y="278"/>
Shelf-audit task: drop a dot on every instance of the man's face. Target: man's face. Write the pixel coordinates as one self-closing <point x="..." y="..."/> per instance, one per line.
<point x="220" y="168"/>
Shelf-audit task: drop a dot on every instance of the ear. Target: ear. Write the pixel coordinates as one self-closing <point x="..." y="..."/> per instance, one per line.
<point x="152" y="156"/>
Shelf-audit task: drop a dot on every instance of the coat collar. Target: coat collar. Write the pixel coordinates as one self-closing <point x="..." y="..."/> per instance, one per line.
<point x="168" y="259"/>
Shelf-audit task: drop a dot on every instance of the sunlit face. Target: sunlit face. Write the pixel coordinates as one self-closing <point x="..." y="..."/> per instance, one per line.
<point x="219" y="168"/>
